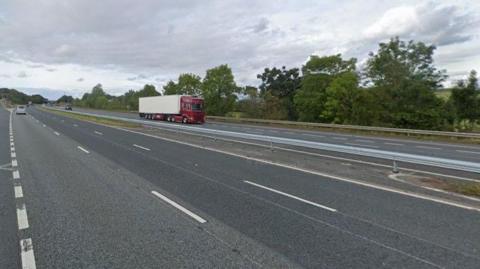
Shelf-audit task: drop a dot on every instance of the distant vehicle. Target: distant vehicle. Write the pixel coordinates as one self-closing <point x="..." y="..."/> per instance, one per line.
<point x="173" y="108"/>
<point x="68" y="107"/>
<point x="21" y="110"/>
<point x="29" y="103"/>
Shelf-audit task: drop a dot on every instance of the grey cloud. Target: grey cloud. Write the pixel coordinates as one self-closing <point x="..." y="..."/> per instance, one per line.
<point x="139" y="77"/>
<point x="261" y="26"/>
<point x="51" y="69"/>
<point x="22" y="74"/>
<point x="36" y="65"/>
<point x="80" y="79"/>
<point x="5" y="76"/>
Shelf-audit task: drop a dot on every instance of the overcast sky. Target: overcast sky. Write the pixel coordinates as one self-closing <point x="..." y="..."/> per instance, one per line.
<point x="69" y="46"/>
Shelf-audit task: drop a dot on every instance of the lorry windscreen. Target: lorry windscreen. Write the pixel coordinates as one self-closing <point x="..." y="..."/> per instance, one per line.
<point x="196" y="107"/>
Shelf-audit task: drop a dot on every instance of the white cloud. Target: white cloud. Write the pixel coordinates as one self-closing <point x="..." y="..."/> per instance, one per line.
<point x="396" y="21"/>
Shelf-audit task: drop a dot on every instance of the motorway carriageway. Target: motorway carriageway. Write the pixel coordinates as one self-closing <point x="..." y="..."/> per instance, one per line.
<point x="426" y="148"/>
<point x="102" y="197"/>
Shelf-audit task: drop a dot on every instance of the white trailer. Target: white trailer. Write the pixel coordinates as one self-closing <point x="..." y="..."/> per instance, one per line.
<point x="168" y="104"/>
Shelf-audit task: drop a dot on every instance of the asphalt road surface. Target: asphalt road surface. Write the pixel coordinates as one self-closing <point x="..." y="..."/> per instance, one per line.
<point x="418" y="147"/>
<point x="99" y="197"/>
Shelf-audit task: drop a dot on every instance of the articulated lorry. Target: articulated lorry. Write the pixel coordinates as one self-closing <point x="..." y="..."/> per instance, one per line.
<point x="173" y="108"/>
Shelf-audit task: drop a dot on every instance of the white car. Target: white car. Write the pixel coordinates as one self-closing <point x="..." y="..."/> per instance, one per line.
<point x="21" y="110"/>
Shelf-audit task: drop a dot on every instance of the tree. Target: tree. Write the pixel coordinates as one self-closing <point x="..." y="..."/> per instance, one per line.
<point x="218" y="90"/>
<point x="188" y="84"/>
<point x="148" y="90"/>
<point x="170" y="88"/>
<point x="343" y="99"/>
<point x="465" y="100"/>
<point x="281" y="83"/>
<point x="405" y="80"/>
<point x="316" y="99"/>
<point x="65" y="99"/>
<point x="37" y="99"/>
<point x="252" y="105"/>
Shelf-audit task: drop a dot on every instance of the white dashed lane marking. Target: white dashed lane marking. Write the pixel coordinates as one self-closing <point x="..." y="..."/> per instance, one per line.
<point x="393" y="144"/>
<point x="82" y="149"/>
<point x="179" y="207"/>
<point x="140" y="147"/>
<point x="426" y="147"/>
<point x="361" y="145"/>
<point x="467" y="151"/>
<point x="290" y="196"/>
<point x="22" y="217"/>
<point x="27" y="255"/>
<point x="18" y="191"/>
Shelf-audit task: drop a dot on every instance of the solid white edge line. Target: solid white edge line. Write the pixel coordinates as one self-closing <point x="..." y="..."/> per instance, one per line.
<point x="82" y="149"/>
<point x="22" y="217"/>
<point x="144" y="148"/>
<point x="365" y="184"/>
<point x="290" y="196"/>
<point x="18" y="191"/>
<point x="56" y="133"/>
<point x="179" y="207"/>
<point x="16" y="174"/>
<point x="27" y="255"/>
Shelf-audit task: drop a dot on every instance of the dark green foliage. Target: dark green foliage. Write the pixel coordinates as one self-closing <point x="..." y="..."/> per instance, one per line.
<point x="464" y="101"/>
<point x="65" y="99"/>
<point x="282" y="84"/>
<point x="17" y="97"/>
<point x="97" y="98"/>
<point x="188" y="84"/>
<point x="219" y="90"/>
<point x="405" y="80"/>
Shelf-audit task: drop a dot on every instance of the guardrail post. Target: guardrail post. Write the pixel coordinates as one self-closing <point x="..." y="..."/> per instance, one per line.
<point x="395" y="167"/>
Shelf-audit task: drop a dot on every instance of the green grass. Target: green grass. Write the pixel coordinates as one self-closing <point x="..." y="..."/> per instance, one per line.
<point x="117" y="123"/>
<point x="471" y="189"/>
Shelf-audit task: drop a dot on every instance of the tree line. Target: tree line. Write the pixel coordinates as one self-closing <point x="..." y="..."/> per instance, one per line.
<point x="396" y="87"/>
<point x="17" y="97"/>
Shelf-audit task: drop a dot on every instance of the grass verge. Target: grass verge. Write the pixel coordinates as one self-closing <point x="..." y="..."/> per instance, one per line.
<point x="94" y="119"/>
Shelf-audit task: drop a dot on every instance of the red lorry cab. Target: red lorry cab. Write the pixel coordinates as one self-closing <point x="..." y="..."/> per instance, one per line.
<point x="191" y="109"/>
